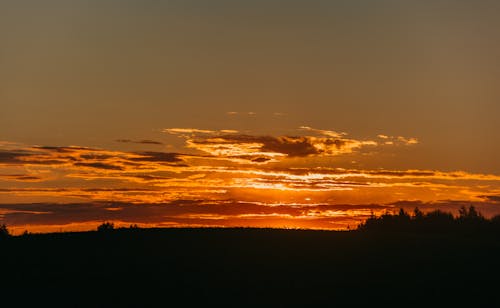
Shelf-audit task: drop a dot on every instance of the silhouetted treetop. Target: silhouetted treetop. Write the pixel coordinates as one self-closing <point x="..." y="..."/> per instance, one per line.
<point x="469" y="214"/>
<point x="106" y="226"/>
<point x="4" y="231"/>
<point x="437" y="220"/>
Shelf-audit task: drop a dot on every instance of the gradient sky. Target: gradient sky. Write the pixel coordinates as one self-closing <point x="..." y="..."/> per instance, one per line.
<point x="263" y="113"/>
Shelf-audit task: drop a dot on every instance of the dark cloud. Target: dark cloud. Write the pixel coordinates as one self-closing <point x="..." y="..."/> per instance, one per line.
<point x="361" y="172"/>
<point x="148" y="177"/>
<point x="492" y="198"/>
<point x="151" y="142"/>
<point x="93" y="156"/>
<point x="292" y="146"/>
<point x="99" y="166"/>
<point x="20" y="177"/>
<point x="12" y="157"/>
<point x="63" y="190"/>
<point x="87" y="157"/>
<point x="261" y="159"/>
<point x="9" y="190"/>
<point x="49" y="155"/>
<point x="25" y="157"/>
<point x="160" y="157"/>
<point x="63" y="149"/>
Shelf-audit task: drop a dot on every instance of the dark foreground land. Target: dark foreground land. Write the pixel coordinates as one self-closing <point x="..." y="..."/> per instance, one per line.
<point x="251" y="267"/>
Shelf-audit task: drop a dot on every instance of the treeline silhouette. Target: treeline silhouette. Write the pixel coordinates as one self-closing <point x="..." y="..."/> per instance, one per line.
<point x="399" y="260"/>
<point x="469" y="219"/>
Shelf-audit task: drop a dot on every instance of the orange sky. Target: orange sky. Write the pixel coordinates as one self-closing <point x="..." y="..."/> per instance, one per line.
<point x="313" y="179"/>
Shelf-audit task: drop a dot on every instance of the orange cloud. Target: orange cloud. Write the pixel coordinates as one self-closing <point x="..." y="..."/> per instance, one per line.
<point x="279" y="180"/>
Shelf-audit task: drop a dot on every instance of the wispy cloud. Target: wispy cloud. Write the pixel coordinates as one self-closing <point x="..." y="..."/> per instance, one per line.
<point x="151" y="142"/>
<point x="20" y="177"/>
<point x="188" y="131"/>
<point x="329" y="133"/>
<point x="408" y="141"/>
<point x="238" y="113"/>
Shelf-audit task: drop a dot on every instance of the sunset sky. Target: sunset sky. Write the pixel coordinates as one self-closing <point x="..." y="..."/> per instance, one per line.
<point x="264" y="113"/>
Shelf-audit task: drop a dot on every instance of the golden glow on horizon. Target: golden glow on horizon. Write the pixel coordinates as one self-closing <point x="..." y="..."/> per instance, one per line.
<point x="263" y="181"/>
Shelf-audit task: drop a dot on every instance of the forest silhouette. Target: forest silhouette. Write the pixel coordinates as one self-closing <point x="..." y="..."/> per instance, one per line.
<point x="403" y="259"/>
<point x="469" y="219"/>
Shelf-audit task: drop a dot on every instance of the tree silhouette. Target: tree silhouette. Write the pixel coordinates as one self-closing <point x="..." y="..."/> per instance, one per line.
<point x="418" y="214"/>
<point x="106" y="226"/>
<point x="435" y="221"/>
<point x="4" y="231"/>
<point x="469" y="214"/>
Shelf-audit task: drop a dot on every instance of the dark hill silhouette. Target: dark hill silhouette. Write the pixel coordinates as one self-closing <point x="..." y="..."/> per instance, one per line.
<point x="402" y="260"/>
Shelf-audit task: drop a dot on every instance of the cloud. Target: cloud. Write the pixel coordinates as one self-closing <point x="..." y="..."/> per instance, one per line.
<point x="286" y="175"/>
<point x="160" y="157"/>
<point x="329" y="133"/>
<point x="80" y="162"/>
<point x="151" y="142"/>
<point x="64" y="149"/>
<point x="11" y="157"/>
<point x="408" y="141"/>
<point x="260" y="159"/>
<point x="401" y="173"/>
<point x="98" y="166"/>
<point x="245" y="147"/>
<point x="391" y="140"/>
<point x="188" y="131"/>
<point x="271" y="147"/>
<point x="22" y="157"/>
<point x="237" y="113"/>
<point x="492" y="198"/>
<point x="194" y="131"/>
<point x="20" y="177"/>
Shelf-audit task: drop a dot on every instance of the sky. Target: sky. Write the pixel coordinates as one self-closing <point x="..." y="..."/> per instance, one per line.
<point x="294" y="114"/>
